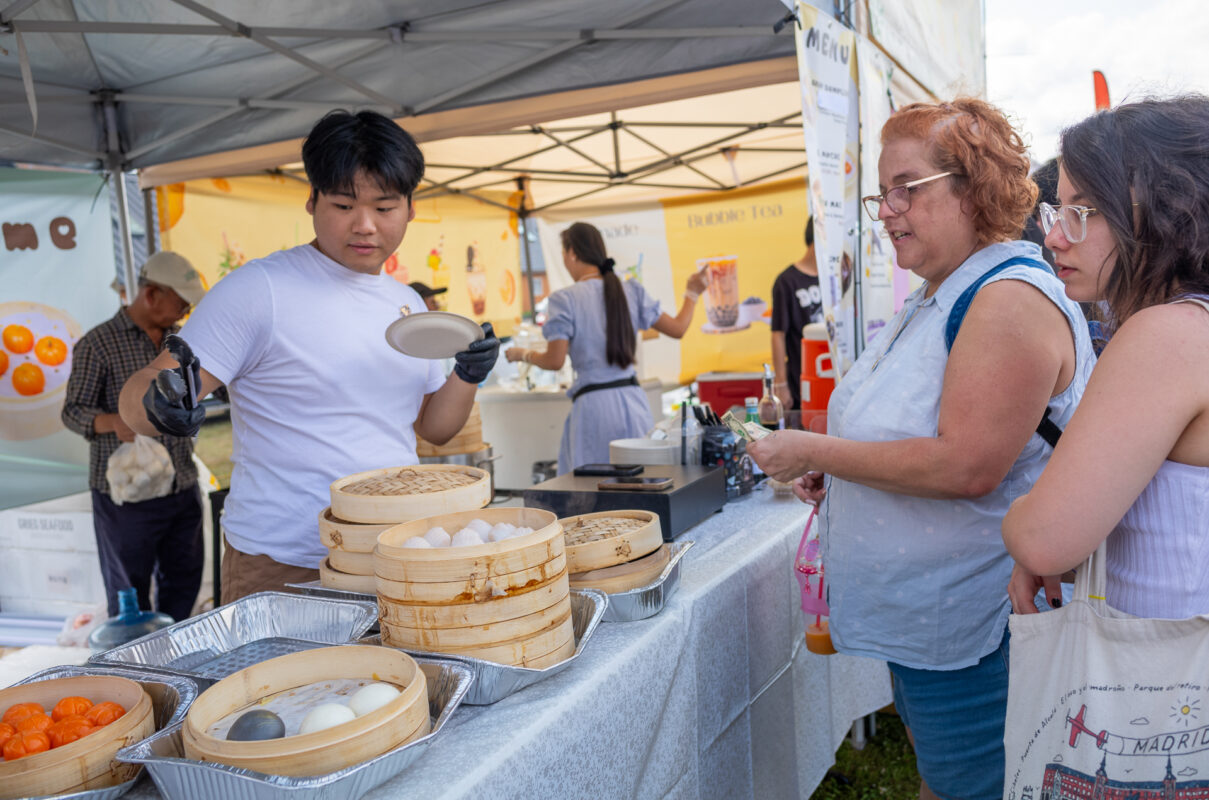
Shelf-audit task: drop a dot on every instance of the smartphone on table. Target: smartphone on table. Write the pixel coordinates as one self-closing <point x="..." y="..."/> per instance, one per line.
<point x="608" y="470"/>
<point x="635" y="484"/>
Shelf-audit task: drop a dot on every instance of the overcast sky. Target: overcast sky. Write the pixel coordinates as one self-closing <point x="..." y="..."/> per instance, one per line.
<point x="1041" y="53"/>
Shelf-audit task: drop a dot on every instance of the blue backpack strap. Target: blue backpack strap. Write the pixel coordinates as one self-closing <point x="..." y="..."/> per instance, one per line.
<point x="958" y="314"/>
<point x="1046" y="429"/>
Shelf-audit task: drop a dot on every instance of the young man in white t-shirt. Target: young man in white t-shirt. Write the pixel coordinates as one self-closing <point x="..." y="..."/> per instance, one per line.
<point x="298" y="339"/>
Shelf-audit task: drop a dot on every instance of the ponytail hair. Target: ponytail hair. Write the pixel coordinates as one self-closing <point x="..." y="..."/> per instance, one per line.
<point x="588" y="245"/>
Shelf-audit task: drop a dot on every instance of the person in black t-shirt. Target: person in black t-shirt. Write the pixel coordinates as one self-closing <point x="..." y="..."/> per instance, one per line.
<point x="796" y="302"/>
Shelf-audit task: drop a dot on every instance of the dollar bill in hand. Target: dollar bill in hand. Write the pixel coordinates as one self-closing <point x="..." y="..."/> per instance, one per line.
<point x="748" y="431"/>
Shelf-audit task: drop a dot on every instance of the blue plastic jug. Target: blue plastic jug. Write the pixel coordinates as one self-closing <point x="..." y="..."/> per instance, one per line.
<point x="129" y="624"/>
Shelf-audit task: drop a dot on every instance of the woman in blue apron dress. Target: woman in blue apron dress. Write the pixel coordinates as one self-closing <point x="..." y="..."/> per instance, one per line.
<point x="596" y="321"/>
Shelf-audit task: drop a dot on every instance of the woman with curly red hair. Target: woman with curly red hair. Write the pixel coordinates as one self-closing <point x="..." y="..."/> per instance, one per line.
<point x="927" y="446"/>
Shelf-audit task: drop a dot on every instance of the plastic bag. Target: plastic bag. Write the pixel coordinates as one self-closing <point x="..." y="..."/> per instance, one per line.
<point x="77" y="627"/>
<point x="139" y="470"/>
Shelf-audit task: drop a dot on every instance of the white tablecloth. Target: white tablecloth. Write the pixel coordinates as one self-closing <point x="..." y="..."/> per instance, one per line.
<point x="715" y="697"/>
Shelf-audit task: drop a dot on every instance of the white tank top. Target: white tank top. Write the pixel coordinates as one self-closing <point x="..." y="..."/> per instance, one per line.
<point x="1158" y="554"/>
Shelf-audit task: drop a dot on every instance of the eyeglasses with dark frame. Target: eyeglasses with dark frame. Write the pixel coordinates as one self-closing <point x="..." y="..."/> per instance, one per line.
<point x="1073" y="220"/>
<point x="897" y="197"/>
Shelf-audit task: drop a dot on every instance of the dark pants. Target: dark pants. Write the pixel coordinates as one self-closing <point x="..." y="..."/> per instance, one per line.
<point x="161" y="536"/>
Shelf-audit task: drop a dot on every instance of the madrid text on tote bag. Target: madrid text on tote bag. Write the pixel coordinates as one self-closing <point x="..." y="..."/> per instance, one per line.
<point x="1104" y="705"/>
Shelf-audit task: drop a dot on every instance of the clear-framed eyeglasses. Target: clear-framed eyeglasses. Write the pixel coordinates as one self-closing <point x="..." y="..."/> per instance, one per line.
<point x="1073" y="220"/>
<point x="897" y="197"/>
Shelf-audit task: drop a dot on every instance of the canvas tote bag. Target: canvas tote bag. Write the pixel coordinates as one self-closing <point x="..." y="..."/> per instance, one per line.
<point x="1102" y="704"/>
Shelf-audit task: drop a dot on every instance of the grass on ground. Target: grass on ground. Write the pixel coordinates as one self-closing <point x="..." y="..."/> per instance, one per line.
<point x="883" y="770"/>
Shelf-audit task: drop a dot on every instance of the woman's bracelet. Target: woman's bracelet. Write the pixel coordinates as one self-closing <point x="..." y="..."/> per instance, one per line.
<point x="525" y="356"/>
<point x="689" y="294"/>
<point x="780" y="383"/>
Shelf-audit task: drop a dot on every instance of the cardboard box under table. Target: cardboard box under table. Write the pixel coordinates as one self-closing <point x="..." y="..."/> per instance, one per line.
<point x="696" y="492"/>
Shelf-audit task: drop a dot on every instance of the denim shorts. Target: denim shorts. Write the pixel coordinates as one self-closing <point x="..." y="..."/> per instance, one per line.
<point x="956" y="718"/>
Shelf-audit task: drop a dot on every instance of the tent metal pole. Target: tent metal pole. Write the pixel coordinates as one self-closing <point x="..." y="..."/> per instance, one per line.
<point x="149" y="222"/>
<point x="523" y="213"/>
<point x="114" y="163"/>
<point x="120" y="197"/>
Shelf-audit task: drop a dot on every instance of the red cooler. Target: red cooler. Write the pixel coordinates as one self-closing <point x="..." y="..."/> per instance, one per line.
<point x="818" y="376"/>
<point x="721" y="390"/>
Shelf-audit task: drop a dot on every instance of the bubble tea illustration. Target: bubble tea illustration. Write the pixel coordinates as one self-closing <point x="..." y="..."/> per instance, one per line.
<point x="476" y="281"/>
<point x="722" y="295"/>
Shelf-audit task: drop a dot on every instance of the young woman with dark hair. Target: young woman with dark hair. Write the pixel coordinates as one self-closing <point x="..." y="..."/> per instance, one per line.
<point x="1132" y="468"/>
<point x="595" y="322"/>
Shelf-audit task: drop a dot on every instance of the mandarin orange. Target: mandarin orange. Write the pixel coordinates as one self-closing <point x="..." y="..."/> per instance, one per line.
<point x="18" y="338"/>
<point x="51" y="351"/>
<point x="28" y="379"/>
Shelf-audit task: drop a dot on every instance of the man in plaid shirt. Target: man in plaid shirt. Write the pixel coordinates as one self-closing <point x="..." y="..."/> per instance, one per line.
<point x="162" y="535"/>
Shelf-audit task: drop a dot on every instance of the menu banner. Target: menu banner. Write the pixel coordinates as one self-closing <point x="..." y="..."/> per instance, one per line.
<point x="55" y="268"/>
<point x="883" y="287"/>
<point x="830" y="123"/>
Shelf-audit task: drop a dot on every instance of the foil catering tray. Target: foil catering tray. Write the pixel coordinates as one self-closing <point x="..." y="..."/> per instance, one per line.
<point x="171" y="696"/>
<point x="493" y="682"/>
<point x="317" y="589"/>
<point x="647" y="601"/>
<point x="179" y="778"/>
<point x="211" y="646"/>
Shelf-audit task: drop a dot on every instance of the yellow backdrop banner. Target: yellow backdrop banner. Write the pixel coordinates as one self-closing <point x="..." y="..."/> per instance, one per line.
<point x="463" y="245"/>
<point x="745" y="238"/>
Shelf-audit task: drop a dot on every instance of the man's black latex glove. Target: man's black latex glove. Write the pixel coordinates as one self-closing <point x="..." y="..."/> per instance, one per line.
<point x="171" y="399"/>
<point x="475" y="362"/>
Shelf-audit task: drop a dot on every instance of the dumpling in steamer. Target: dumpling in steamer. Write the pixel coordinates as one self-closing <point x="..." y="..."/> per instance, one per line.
<point x="481" y="527"/>
<point x="466" y="537"/>
<point x="437" y="537"/>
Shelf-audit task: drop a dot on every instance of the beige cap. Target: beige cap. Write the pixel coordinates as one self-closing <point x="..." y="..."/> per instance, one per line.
<point x="173" y="270"/>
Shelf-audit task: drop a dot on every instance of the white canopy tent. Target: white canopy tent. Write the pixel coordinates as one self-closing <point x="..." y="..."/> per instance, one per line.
<point x="499" y="89"/>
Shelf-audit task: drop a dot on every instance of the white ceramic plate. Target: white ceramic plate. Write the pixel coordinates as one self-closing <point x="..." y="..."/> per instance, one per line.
<point x="432" y="334"/>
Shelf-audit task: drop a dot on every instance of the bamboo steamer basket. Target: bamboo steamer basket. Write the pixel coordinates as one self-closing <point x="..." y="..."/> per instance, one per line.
<point x="609" y="538"/>
<point x="477" y="588"/>
<point x="431" y="638"/>
<point x="351" y="563"/>
<point x="335" y="579"/>
<point x="517" y="651"/>
<point x="444" y="564"/>
<point x="407" y="493"/>
<point x="625" y="577"/>
<point x="353" y="537"/>
<point x="86" y="763"/>
<point x="506" y="601"/>
<point x="485" y="612"/>
<point x="441" y="639"/>
<point x="401" y="720"/>
<point x="467" y="440"/>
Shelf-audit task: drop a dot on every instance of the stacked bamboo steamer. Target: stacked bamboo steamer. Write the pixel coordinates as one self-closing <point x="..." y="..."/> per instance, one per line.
<point x="367" y="503"/>
<point x="506" y="601"/>
<point x="403" y="719"/>
<point x="87" y="763"/>
<point x="615" y="551"/>
<point x="468" y="440"/>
